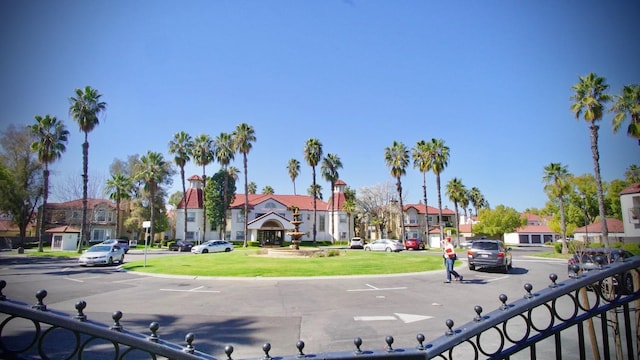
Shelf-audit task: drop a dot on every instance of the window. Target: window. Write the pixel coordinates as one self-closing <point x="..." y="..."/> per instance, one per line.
<point x="191" y="216"/>
<point x="321" y="225"/>
<point x="98" y="235"/>
<point x="343" y="218"/>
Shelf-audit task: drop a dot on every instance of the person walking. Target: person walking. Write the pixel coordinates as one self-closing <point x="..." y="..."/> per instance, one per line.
<point x="450" y="260"/>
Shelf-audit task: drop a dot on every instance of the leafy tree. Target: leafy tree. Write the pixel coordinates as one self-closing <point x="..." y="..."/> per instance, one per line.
<point x="420" y="156"/>
<point x="456" y="192"/>
<point x="438" y="161"/>
<point x="497" y="222"/>
<point x="154" y="172"/>
<point x="329" y="168"/>
<point x="20" y="181"/>
<point x="557" y="186"/>
<point x="293" y="167"/>
<point x="85" y="110"/>
<point x="312" y="155"/>
<point x="119" y="188"/>
<point x="219" y="198"/>
<point x="224" y="152"/>
<point x="181" y="148"/>
<point x="252" y="187"/>
<point x="632" y="174"/>
<point x="397" y="159"/>
<point x="50" y="142"/>
<point x="349" y="206"/>
<point x="268" y="190"/>
<point x="628" y="103"/>
<point x="203" y="155"/>
<point x="590" y="99"/>
<point x="245" y="136"/>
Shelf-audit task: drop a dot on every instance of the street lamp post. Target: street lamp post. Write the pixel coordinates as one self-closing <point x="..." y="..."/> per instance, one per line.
<point x="586" y="218"/>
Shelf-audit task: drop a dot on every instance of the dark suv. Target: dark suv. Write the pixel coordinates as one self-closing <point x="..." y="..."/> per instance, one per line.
<point x="592" y="259"/>
<point x="490" y="254"/>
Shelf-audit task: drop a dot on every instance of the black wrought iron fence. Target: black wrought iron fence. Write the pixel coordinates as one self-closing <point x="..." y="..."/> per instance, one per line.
<point x="588" y="316"/>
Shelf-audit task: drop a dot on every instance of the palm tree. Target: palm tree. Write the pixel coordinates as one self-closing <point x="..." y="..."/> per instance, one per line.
<point x="294" y="170"/>
<point x="119" y="188"/>
<point x="181" y="147"/>
<point x="628" y="103"/>
<point x="438" y="160"/>
<point x="556" y="178"/>
<point x="420" y="155"/>
<point x="153" y="171"/>
<point x="329" y="168"/>
<point x="456" y="192"/>
<point x="224" y="152"/>
<point x="50" y="142"/>
<point x="85" y="108"/>
<point x="590" y="98"/>
<point x="244" y="136"/>
<point x="202" y="154"/>
<point x="397" y="159"/>
<point x="312" y="155"/>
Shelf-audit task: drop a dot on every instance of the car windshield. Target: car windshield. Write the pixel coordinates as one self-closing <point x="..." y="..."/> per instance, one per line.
<point x="99" y="248"/>
<point x="482" y="245"/>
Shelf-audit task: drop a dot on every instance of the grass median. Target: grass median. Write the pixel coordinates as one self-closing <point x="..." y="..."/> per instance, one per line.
<point x="247" y="263"/>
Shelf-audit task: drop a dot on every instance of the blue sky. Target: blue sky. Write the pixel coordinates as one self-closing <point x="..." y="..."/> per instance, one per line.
<point x="491" y="78"/>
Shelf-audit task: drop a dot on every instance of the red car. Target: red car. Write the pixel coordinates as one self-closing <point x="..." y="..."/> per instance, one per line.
<point x="414" y="244"/>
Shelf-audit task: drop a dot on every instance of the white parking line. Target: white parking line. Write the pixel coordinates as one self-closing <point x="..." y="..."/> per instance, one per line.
<point x="197" y="289"/>
<point x="373" y="288"/>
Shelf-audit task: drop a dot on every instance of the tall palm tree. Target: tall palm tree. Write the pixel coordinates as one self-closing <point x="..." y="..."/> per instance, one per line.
<point x="590" y="99"/>
<point x="456" y="192"/>
<point x="119" y="188"/>
<point x="50" y="142"/>
<point x="244" y="136"/>
<point x="628" y="103"/>
<point x="556" y="179"/>
<point x="438" y="161"/>
<point x="312" y="155"/>
<point x="181" y="147"/>
<point x="224" y="152"/>
<point x="293" y="166"/>
<point x="85" y="109"/>
<point x="153" y="171"/>
<point x="420" y="155"/>
<point x="397" y="159"/>
<point x="329" y="168"/>
<point x="202" y="154"/>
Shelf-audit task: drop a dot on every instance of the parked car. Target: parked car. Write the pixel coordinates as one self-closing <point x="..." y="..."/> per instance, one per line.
<point x="356" y="243"/>
<point x="212" y="246"/>
<point x="487" y="253"/>
<point x="124" y="244"/>
<point x="102" y="254"/>
<point x="181" y="246"/>
<point x="414" y="244"/>
<point x="387" y="245"/>
<point x="591" y="259"/>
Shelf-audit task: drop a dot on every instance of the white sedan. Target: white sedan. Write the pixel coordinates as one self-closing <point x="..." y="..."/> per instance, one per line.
<point x="387" y="245"/>
<point x="212" y="246"/>
<point x="102" y="254"/>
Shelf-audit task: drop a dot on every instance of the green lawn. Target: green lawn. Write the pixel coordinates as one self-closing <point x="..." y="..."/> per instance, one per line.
<point x="246" y="263"/>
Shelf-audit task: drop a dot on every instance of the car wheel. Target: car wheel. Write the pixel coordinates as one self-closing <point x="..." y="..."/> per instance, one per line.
<point x="204" y="251"/>
<point x="472" y="267"/>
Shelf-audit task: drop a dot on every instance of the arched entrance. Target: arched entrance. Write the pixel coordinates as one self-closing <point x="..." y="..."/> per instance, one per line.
<point x="271" y="233"/>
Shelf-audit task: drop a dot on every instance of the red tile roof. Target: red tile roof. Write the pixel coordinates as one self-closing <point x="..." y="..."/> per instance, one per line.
<point x="631" y="189"/>
<point x="613" y="226"/>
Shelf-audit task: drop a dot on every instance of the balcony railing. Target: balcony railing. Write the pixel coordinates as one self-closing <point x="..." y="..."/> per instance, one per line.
<point x="587" y="316"/>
